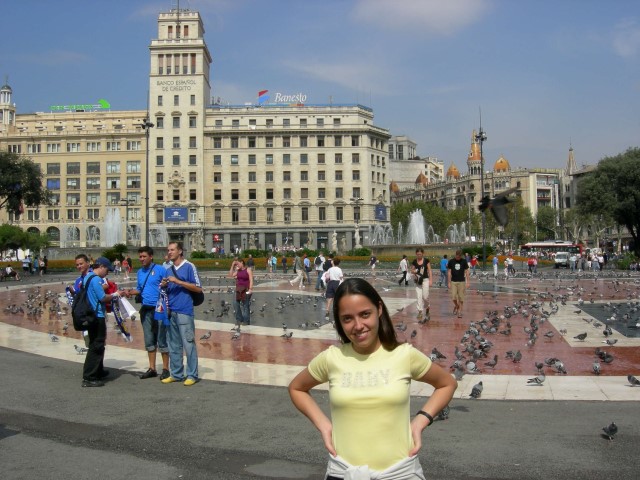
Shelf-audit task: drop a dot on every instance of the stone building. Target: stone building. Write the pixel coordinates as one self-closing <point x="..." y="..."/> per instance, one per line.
<point x="268" y="173"/>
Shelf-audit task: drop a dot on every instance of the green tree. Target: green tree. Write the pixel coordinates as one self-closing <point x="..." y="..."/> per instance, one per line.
<point x="21" y="183"/>
<point x="13" y="238"/>
<point x="612" y="191"/>
<point x="546" y="221"/>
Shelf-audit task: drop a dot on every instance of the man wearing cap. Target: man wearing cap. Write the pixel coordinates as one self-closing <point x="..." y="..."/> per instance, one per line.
<point x="93" y="371"/>
<point x="180" y="280"/>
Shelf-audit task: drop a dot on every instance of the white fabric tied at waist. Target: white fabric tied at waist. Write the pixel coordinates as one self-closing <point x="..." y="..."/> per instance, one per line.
<point x="406" y="469"/>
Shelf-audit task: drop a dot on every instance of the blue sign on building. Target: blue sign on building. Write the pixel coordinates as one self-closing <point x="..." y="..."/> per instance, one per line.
<point x="381" y="213"/>
<point x="175" y="214"/>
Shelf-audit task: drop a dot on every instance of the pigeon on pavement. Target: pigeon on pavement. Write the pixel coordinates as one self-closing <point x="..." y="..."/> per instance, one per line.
<point x="476" y="391"/>
<point x="610" y="431"/>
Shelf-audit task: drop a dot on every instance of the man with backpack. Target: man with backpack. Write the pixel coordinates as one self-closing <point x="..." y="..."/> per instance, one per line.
<point x="319" y="263"/>
<point x="93" y="371"/>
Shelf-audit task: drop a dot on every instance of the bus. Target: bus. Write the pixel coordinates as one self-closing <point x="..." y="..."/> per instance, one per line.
<point x="550" y="247"/>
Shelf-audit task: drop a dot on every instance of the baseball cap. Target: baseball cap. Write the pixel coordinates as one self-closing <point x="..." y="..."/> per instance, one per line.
<point x="104" y="261"/>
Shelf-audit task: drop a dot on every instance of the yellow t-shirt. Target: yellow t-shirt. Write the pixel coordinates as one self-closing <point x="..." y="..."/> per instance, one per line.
<point x="369" y="399"/>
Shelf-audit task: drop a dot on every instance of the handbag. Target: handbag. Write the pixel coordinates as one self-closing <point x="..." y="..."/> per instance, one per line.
<point x="138" y="297"/>
<point x="197" y="297"/>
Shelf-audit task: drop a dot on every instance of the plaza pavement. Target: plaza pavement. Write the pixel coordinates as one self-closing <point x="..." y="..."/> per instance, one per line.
<point x="239" y="423"/>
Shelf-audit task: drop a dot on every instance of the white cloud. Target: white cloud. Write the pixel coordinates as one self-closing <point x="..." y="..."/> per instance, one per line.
<point x="367" y="77"/>
<point x="626" y="38"/>
<point x="430" y="16"/>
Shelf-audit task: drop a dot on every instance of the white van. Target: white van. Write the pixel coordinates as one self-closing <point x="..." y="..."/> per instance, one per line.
<point x="561" y="260"/>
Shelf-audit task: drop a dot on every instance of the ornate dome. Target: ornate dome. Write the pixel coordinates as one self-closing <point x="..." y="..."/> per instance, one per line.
<point x="453" y="172"/>
<point x="501" y="165"/>
<point x="394" y="187"/>
<point x="422" y="179"/>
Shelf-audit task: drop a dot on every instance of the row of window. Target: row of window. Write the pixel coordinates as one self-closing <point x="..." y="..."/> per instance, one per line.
<point x="285" y="141"/>
<point x="75" y="147"/>
<point x="92" y="183"/>
<point x="176" y="100"/>
<point x="94" y="198"/>
<point x="175" y="122"/>
<point x="177" y="64"/>
<point x="286" y="215"/>
<point x="94" y="168"/>
<point x="269" y="194"/>
<point x="321" y="176"/>
<point x="286" y="159"/>
<point x="193" y="142"/>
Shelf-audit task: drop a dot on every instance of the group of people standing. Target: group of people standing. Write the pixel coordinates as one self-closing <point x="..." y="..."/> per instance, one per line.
<point x="165" y="293"/>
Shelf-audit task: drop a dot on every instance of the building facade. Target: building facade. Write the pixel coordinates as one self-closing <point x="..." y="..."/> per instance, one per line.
<point x="261" y="175"/>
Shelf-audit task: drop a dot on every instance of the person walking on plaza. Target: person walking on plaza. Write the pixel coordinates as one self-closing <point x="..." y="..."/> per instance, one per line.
<point x="458" y="281"/>
<point x="298" y="269"/>
<point x="125" y="269"/>
<point x="495" y="266"/>
<point x="370" y="433"/>
<point x="403" y="268"/>
<point x="149" y="278"/>
<point x="318" y="263"/>
<point x="443" y="271"/>
<point x="93" y="371"/>
<point x="334" y="277"/>
<point x="307" y="267"/>
<point x="251" y="263"/>
<point x="180" y="281"/>
<point x="373" y="262"/>
<point x="423" y="279"/>
<point x="284" y="262"/>
<point x="242" y="298"/>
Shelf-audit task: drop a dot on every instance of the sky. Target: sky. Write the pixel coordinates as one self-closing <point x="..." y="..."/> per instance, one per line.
<point x="545" y="74"/>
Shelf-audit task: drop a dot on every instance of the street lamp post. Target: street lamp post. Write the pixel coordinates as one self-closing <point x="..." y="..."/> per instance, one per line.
<point x="126" y="202"/>
<point x="481" y="137"/>
<point x="146" y="126"/>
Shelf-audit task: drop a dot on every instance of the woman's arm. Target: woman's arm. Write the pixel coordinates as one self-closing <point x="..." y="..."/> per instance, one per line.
<point x="303" y="401"/>
<point x="430" y="275"/>
<point x="445" y="386"/>
<point x="250" y="280"/>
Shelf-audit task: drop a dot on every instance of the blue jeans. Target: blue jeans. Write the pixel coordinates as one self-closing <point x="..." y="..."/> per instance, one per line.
<point x="319" y="279"/>
<point x="443" y="278"/>
<point x="243" y="310"/>
<point x="181" y="336"/>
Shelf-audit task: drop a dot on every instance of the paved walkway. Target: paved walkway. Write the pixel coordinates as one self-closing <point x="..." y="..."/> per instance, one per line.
<point x="240" y="425"/>
<point x="262" y="357"/>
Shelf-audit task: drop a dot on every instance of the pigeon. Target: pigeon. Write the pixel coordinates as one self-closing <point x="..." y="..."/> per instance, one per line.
<point x="497" y="206"/>
<point x="53" y="338"/>
<point x="476" y="391"/>
<point x="611" y="341"/>
<point x="80" y="350"/>
<point x="287" y="335"/>
<point x="596" y="367"/>
<point x="444" y="413"/>
<point x="492" y="363"/>
<point x="610" y="431"/>
<point x="581" y="336"/>
<point x="538" y="379"/>
<point x="517" y="357"/>
<point x="633" y="381"/>
<point x="236" y="335"/>
<point x="206" y="336"/>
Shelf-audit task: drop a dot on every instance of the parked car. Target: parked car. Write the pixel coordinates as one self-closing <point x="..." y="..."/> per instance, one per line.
<point x="561" y="260"/>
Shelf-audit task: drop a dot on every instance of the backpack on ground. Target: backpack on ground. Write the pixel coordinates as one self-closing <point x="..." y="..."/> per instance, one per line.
<point x="82" y="312"/>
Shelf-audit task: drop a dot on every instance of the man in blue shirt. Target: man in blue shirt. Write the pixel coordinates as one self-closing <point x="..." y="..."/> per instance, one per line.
<point x="94" y="371"/>
<point x="443" y="272"/>
<point x="180" y="280"/>
<point x="155" y="332"/>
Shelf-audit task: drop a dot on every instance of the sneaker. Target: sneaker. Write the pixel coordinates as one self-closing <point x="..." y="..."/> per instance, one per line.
<point x="171" y="379"/>
<point x="190" y="381"/>
<point x="149" y="374"/>
<point x="92" y="383"/>
<point x="165" y="374"/>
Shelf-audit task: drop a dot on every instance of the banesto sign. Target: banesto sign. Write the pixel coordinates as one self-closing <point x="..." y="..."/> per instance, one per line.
<point x="295" y="98"/>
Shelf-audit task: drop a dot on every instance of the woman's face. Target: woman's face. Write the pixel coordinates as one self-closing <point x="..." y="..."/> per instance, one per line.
<point x="360" y="320"/>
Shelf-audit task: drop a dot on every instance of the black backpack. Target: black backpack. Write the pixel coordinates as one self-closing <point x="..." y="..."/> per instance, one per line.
<point x="317" y="261"/>
<point x="82" y="311"/>
<point x="327" y="265"/>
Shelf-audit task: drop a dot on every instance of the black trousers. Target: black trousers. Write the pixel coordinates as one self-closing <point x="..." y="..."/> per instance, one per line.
<point x="404" y="278"/>
<point x="93" y="367"/>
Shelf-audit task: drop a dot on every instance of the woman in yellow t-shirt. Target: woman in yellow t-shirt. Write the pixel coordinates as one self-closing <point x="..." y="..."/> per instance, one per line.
<point x="369" y="378"/>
